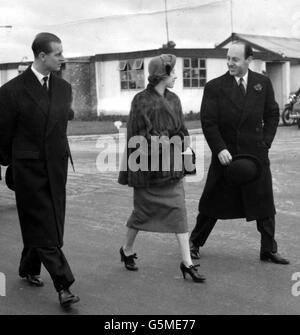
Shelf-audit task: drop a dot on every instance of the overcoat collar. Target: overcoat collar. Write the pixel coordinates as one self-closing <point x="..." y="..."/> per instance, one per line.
<point x="41" y="97"/>
<point x="55" y="95"/>
<point x="229" y="87"/>
<point x="36" y="91"/>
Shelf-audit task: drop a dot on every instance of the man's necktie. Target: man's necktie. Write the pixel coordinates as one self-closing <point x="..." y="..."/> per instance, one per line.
<point x="242" y="87"/>
<point x="45" y="79"/>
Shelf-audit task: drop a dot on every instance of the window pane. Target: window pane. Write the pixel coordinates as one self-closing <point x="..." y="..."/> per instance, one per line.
<point x="186" y="83"/>
<point x="123" y="75"/>
<point x="122" y="65"/>
<point x="124" y="85"/>
<point x="140" y="75"/>
<point x="186" y="74"/>
<point x="202" y="82"/>
<point x="132" y="84"/>
<point x="137" y="65"/>
<point x="132" y="75"/>
<point x="195" y="83"/>
<point x="195" y="73"/>
<point x="186" y="62"/>
<point x="203" y="73"/>
<point x="194" y="62"/>
<point x="130" y="64"/>
<point x="132" y="79"/>
<point x="202" y="63"/>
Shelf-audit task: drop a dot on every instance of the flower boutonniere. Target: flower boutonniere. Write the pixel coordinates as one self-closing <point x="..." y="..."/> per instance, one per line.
<point x="258" y="87"/>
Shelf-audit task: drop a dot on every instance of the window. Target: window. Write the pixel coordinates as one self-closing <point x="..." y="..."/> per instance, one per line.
<point x="132" y="74"/>
<point x="194" y="72"/>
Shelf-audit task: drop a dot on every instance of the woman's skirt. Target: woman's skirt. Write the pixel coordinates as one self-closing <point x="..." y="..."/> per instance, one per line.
<point x="160" y="209"/>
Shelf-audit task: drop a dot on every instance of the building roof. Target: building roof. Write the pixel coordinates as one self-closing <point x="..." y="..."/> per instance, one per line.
<point x="217" y="52"/>
<point x="268" y="48"/>
<point x="14" y="65"/>
<point x="282" y="47"/>
<point x="201" y="53"/>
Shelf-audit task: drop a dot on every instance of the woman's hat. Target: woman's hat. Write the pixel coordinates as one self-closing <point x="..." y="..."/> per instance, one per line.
<point x="243" y="169"/>
<point x="161" y="66"/>
<point x="9" y="180"/>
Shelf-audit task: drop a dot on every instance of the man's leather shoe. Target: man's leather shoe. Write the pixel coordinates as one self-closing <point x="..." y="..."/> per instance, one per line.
<point x="274" y="257"/>
<point x="34" y="280"/>
<point x="194" y="251"/>
<point x="66" y="298"/>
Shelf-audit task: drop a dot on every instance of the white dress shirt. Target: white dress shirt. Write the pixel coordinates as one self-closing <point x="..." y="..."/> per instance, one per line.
<point x="245" y="80"/>
<point x="40" y="76"/>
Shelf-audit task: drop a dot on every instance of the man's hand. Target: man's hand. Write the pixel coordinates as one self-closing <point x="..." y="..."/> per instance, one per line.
<point x="225" y="157"/>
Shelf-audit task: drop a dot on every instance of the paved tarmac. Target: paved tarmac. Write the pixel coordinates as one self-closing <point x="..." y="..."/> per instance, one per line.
<point x="97" y="210"/>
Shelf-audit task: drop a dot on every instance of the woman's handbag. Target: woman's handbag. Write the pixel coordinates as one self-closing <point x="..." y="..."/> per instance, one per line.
<point x="189" y="161"/>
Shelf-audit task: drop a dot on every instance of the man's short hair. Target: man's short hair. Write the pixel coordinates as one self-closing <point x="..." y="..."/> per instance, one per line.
<point x="42" y="42"/>
<point x="248" y="49"/>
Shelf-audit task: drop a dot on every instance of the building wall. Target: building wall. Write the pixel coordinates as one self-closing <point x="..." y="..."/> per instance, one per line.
<point x="191" y="97"/>
<point x="286" y="83"/>
<point x="96" y="86"/>
<point x="258" y="65"/>
<point x="279" y="74"/>
<point x="295" y="77"/>
<point x="81" y="75"/>
<point x="7" y="74"/>
<point x="113" y="100"/>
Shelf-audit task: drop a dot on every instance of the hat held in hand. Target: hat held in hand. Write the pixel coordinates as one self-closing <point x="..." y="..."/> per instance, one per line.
<point x="243" y="169"/>
<point x="9" y="180"/>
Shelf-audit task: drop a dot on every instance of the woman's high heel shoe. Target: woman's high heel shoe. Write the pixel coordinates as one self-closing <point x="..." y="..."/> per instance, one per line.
<point x="128" y="261"/>
<point x="193" y="272"/>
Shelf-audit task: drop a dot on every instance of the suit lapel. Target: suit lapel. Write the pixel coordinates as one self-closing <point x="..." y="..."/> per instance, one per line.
<point x="251" y="96"/>
<point x="36" y="91"/>
<point x="231" y="90"/>
<point x="54" y="102"/>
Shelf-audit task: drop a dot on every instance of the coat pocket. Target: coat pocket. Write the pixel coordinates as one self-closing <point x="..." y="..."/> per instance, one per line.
<point x="26" y="154"/>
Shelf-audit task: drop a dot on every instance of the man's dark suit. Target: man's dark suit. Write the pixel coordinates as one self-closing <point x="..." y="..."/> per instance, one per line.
<point x="33" y="139"/>
<point x="242" y="125"/>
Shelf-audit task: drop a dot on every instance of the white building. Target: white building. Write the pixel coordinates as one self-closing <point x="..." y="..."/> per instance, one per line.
<point x="119" y="76"/>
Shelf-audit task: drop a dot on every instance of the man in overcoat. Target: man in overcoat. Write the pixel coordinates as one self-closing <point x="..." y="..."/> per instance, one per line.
<point x="34" y="111"/>
<point x="239" y="116"/>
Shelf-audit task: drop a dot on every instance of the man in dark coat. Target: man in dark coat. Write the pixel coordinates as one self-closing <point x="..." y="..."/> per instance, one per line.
<point x="34" y="111"/>
<point x="239" y="115"/>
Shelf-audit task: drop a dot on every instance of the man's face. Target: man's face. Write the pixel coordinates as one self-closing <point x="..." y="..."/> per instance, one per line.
<point x="236" y="62"/>
<point x="53" y="60"/>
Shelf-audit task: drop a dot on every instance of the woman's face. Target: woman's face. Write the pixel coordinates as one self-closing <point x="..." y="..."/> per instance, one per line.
<point x="170" y="80"/>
